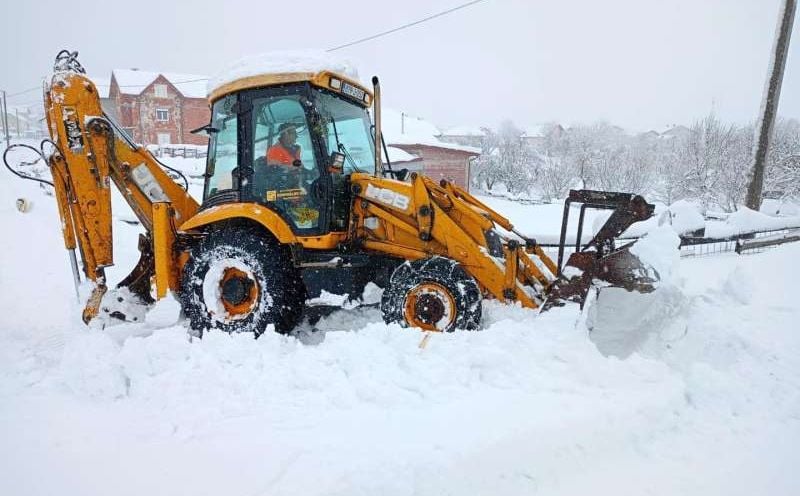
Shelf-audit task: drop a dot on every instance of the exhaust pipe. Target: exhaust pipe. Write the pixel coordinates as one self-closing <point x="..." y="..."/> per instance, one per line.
<point x="376" y="90"/>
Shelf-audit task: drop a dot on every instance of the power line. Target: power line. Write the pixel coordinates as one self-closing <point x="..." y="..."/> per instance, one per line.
<point x="404" y="26"/>
<point x="148" y="84"/>
<point x="356" y="42"/>
<point x="11" y="95"/>
<point x="26" y="104"/>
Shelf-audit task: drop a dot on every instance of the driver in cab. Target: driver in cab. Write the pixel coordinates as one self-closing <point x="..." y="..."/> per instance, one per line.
<point x="286" y="151"/>
<point x="285" y="154"/>
<point x="283" y="158"/>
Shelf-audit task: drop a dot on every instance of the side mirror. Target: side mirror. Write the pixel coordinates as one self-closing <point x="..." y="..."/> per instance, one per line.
<point x="336" y="162"/>
<point x="400" y="175"/>
<point x="206" y="130"/>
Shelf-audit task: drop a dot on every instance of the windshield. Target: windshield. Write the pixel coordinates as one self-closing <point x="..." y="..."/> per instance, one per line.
<point x="222" y="155"/>
<point x="345" y="128"/>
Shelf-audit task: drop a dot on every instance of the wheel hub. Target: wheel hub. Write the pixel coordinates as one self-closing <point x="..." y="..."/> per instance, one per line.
<point x="430" y="306"/>
<point x="236" y="289"/>
<point x="429" y="309"/>
<point x="238" y="292"/>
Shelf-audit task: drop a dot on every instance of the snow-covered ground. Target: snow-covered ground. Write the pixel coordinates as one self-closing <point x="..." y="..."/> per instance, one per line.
<point x="702" y="398"/>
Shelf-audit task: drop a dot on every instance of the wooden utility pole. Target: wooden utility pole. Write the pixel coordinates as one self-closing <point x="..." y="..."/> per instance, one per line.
<point x="5" y="120"/>
<point x="769" y="103"/>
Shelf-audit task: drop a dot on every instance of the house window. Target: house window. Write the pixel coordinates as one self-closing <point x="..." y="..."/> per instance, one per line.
<point x="164" y="139"/>
<point x="162" y="115"/>
<point x="160" y="90"/>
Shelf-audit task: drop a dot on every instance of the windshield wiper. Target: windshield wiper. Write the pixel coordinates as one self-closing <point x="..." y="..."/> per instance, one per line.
<point x="340" y="146"/>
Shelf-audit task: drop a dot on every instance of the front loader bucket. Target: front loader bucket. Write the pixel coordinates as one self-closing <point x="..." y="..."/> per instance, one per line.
<point x="621" y="269"/>
<point x="599" y="262"/>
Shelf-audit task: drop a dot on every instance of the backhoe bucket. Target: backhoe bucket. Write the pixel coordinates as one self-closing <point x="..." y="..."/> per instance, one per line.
<point x="599" y="262"/>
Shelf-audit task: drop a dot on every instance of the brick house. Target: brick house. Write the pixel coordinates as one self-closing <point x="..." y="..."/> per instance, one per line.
<point x="159" y="108"/>
<point x="441" y="160"/>
<point x="420" y="140"/>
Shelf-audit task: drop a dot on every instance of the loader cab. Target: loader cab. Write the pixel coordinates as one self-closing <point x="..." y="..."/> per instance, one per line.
<point x="291" y="148"/>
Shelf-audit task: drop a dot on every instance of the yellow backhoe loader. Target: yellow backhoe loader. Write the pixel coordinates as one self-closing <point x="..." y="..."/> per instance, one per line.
<point x="298" y="199"/>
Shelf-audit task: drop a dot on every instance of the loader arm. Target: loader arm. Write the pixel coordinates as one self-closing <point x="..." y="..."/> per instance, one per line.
<point x="422" y="219"/>
<point x="92" y="153"/>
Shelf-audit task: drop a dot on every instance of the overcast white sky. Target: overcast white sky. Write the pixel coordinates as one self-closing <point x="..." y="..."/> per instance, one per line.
<point x="641" y="64"/>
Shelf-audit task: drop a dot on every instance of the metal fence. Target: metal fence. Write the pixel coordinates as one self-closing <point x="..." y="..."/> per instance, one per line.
<point x="174" y="151"/>
<point x="742" y="243"/>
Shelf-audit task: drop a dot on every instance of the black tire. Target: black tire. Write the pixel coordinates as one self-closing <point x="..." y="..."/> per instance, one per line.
<point x="425" y="289"/>
<point x="235" y="261"/>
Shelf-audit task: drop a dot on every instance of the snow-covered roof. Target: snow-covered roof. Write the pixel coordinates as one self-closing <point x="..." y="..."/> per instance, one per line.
<point x="464" y="131"/>
<point x="675" y="131"/>
<point x="103" y="85"/>
<point x="396" y="155"/>
<point x="134" y="81"/>
<point x="287" y="61"/>
<point x="26" y="113"/>
<point x="535" y="131"/>
<point x="399" y="128"/>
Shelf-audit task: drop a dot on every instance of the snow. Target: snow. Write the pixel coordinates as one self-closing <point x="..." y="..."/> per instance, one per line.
<point x="703" y="399"/>
<point x="396" y="155"/>
<point x="134" y="81"/>
<point x="745" y="220"/>
<point x="471" y="131"/>
<point x="659" y="249"/>
<point x="685" y="217"/>
<point x="537" y="131"/>
<point x="103" y="85"/>
<point x="308" y="61"/>
<point x="779" y="207"/>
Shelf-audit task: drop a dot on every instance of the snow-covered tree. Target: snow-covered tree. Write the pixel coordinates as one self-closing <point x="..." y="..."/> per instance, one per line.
<point x="782" y="178"/>
<point x="556" y="174"/>
<point x="506" y="159"/>
<point x="707" y="153"/>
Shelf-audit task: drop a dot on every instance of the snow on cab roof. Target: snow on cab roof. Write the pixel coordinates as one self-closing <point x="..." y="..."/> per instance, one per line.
<point x="134" y="82"/>
<point x="286" y="61"/>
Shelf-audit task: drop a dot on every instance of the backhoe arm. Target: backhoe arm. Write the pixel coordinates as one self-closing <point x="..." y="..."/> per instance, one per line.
<point x="92" y="152"/>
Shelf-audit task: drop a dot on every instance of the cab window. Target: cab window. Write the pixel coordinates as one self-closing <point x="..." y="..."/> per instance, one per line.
<point x="222" y="156"/>
<point x="346" y="129"/>
<point x="285" y="165"/>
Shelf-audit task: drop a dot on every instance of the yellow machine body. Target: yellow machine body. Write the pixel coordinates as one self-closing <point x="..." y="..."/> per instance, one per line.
<point x="404" y="220"/>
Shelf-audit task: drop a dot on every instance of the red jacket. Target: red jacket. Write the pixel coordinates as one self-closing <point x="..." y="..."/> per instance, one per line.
<point x="279" y="154"/>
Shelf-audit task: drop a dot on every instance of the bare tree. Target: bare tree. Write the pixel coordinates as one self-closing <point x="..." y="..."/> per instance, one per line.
<point x="670" y="170"/>
<point x="707" y="151"/>
<point x="782" y="178"/>
<point x="624" y="164"/>
<point x="506" y="159"/>
<point x="487" y="170"/>
<point x="708" y="163"/>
